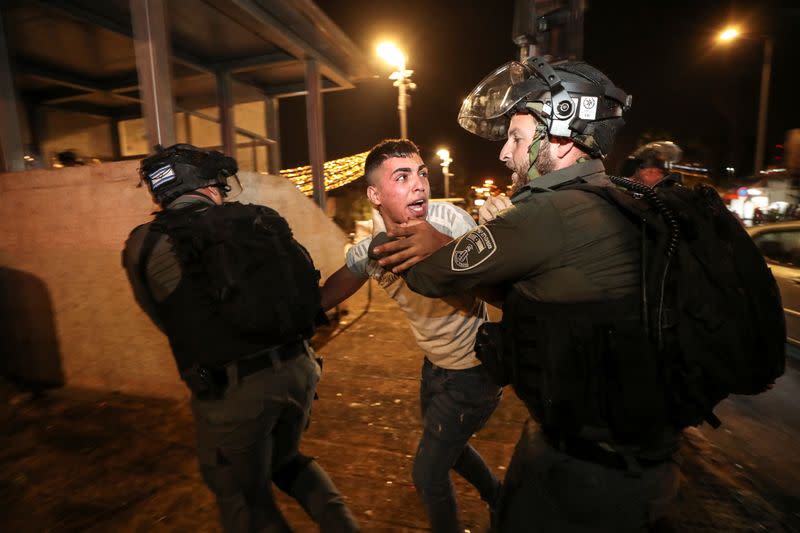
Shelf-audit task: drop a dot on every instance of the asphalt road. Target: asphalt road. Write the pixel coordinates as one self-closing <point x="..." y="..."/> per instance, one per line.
<point x="98" y="461"/>
<point x="760" y="435"/>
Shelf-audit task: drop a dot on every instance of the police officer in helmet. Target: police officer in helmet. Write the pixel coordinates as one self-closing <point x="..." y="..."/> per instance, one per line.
<point x="651" y="164"/>
<point x="599" y="457"/>
<point x="238" y="320"/>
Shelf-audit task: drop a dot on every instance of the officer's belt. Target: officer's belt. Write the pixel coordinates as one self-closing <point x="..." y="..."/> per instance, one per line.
<point x="267" y="358"/>
<point x="590" y="451"/>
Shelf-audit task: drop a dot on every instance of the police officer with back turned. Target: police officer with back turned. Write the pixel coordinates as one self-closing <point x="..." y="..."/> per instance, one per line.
<point x="237" y="296"/>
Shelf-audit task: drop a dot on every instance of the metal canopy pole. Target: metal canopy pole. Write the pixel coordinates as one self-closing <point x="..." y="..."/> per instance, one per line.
<point x="272" y="108"/>
<point x="226" y="122"/>
<point x="402" y="107"/>
<point x="316" y="134"/>
<point x="10" y="136"/>
<point x="151" y="44"/>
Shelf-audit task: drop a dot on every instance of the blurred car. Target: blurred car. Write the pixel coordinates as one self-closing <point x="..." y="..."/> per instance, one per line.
<point x="780" y="244"/>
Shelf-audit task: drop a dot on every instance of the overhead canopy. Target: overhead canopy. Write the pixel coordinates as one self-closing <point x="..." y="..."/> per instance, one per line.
<point x="79" y="54"/>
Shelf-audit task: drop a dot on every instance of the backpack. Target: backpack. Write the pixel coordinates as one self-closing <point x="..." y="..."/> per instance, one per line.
<point x="711" y="304"/>
<point x="253" y="274"/>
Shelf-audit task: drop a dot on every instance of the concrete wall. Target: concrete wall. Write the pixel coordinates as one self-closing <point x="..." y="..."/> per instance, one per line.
<point x="88" y="136"/>
<point x="68" y="312"/>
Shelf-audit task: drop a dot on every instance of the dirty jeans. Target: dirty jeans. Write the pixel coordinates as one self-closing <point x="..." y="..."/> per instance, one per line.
<point x="559" y="493"/>
<point x="254" y="431"/>
<point x="455" y="404"/>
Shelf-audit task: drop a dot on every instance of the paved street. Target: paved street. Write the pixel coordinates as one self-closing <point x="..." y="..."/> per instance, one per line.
<point x="76" y="460"/>
<point x="760" y="435"/>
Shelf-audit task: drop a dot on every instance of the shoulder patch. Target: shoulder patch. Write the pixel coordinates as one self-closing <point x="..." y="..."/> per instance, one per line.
<point x="473" y="249"/>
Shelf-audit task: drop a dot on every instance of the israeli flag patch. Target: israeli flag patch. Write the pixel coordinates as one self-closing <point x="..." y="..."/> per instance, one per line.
<point x="161" y="176"/>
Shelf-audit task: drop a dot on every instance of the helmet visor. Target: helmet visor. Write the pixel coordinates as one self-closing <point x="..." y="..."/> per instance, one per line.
<point x="484" y="110"/>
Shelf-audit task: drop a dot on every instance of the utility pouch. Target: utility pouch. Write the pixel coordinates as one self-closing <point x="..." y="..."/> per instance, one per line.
<point x="489" y="349"/>
<point x="206" y="383"/>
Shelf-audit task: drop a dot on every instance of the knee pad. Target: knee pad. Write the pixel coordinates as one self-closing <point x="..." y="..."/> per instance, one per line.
<point x="285" y="476"/>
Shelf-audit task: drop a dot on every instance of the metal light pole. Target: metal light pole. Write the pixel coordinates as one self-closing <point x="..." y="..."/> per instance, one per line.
<point x="444" y="156"/>
<point x="766" y="71"/>
<point x="402" y="80"/>
<point x="730" y="34"/>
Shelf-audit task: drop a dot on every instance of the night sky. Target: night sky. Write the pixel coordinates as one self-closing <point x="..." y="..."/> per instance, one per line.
<point x="685" y="88"/>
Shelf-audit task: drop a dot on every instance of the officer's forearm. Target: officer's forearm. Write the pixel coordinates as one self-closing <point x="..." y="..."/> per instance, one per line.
<point x="407" y="246"/>
<point x="472" y="260"/>
<point x="422" y="285"/>
<point x="434" y="278"/>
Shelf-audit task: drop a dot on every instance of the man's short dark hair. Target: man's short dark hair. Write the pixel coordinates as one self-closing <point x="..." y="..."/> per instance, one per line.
<point x="385" y="150"/>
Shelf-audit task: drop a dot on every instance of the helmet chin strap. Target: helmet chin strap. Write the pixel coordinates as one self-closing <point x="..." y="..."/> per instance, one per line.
<point x="534" y="149"/>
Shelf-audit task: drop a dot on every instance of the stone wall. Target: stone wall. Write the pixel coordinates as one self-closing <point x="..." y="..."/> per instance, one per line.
<point x="68" y="314"/>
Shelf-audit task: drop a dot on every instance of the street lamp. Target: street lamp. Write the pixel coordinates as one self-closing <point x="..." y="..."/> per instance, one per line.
<point x="729" y="34"/>
<point x="402" y="80"/>
<point x="444" y="157"/>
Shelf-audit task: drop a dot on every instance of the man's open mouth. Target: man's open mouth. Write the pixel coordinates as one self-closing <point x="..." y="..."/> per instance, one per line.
<point x="418" y="207"/>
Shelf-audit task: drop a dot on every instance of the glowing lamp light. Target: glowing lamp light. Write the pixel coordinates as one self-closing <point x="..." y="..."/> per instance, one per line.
<point x="390" y="53"/>
<point x="728" y="34"/>
<point x="480" y="201"/>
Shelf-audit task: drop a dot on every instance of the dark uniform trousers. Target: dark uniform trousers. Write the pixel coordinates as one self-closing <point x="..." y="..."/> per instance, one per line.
<point x="253" y="432"/>
<point x="455" y="404"/>
<point x="548" y="491"/>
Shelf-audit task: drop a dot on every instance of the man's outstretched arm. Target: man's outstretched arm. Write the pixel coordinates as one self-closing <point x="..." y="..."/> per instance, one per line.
<point x="339" y="287"/>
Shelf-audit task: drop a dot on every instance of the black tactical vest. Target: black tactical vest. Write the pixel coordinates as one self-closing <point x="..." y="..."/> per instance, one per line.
<point x="245" y="285"/>
<point x="708" y="323"/>
<point x="586" y="369"/>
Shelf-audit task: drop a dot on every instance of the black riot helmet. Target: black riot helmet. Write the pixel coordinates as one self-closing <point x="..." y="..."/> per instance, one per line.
<point x="659" y="154"/>
<point x="572" y="99"/>
<point x="171" y="172"/>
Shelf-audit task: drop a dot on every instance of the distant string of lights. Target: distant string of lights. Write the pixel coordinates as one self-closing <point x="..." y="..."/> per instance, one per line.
<point x="338" y="172"/>
<point x="488" y="189"/>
